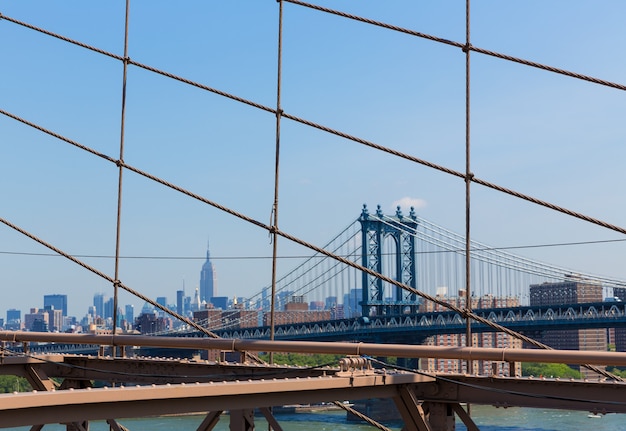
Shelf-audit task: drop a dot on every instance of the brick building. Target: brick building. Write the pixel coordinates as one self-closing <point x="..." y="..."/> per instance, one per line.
<point x="487" y="339"/>
<point x="570" y="291"/>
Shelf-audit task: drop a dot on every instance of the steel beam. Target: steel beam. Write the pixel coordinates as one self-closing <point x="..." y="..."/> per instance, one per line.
<point x="397" y="350"/>
<point x="593" y="396"/>
<point x="271" y="420"/>
<point x="124" y="402"/>
<point x="209" y="422"/>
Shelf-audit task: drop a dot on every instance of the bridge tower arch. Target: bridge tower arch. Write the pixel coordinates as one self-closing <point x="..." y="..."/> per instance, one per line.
<point x="375" y="229"/>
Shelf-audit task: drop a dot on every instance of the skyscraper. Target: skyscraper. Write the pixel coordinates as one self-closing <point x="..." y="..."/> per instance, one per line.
<point x="180" y="302"/>
<point x="130" y="314"/>
<point x="208" y="280"/>
<point x="56" y="302"/>
<point x="98" y="302"/>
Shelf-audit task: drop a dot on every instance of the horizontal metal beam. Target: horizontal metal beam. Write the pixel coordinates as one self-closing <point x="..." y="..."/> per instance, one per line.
<point x="34" y="408"/>
<point x="547" y="393"/>
<point x="396" y="350"/>
<point x="151" y="370"/>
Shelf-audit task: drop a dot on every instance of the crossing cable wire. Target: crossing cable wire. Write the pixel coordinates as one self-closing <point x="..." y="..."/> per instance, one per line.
<point x="462" y="311"/>
<point x="468" y="186"/>
<point x="444" y="169"/>
<point x="118" y="224"/>
<point x="108" y="278"/>
<point x="356" y="139"/>
<point x="450" y="242"/>
<point x="462" y="46"/>
<point x="274" y="221"/>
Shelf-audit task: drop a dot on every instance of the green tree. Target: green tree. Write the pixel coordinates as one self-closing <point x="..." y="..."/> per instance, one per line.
<point x="549" y="370"/>
<point x="616" y="371"/>
<point x="303" y="360"/>
<point x="10" y="384"/>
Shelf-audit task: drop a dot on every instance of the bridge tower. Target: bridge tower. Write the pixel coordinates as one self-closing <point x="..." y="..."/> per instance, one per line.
<point x="374" y="231"/>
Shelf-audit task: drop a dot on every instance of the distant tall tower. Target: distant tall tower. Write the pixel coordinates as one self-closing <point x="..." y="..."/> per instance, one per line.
<point x="98" y="302"/>
<point x="208" y="280"/>
<point x="56" y="302"/>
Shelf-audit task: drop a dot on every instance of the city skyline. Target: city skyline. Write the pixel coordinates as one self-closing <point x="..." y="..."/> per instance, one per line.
<point x="532" y="131"/>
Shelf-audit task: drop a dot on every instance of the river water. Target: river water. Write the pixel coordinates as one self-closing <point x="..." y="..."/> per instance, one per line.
<point x="487" y="419"/>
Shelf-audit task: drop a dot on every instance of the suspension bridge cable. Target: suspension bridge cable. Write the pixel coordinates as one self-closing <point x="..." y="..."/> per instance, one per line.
<point x="463" y="46"/>
<point x="273" y="229"/>
<point x="495" y="255"/>
<point x="468" y="187"/>
<point x="108" y="278"/>
<point x="274" y="221"/>
<point x="349" y="137"/>
<point x="475" y="248"/>
<point x="118" y="224"/>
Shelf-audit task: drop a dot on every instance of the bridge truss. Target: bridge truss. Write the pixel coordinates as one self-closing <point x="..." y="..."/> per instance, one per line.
<point x="424" y="400"/>
<point x="411" y="392"/>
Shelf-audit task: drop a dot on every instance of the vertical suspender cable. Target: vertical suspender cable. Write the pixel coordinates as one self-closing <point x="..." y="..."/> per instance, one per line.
<point x="276" y="174"/>
<point x="468" y="182"/>
<point x="119" y="183"/>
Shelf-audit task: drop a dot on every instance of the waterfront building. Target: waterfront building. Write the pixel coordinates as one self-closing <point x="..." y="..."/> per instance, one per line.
<point x="240" y="318"/>
<point x="208" y="279"/>
<point x="209" y="318"/>
<point x="491" y="340"/>
<point x="293" y="316"/>
<point x="572" y="290"/>
<point x="619" y="334"/>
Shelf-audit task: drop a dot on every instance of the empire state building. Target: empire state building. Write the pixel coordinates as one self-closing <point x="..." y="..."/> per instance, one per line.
<point x="208" y="280"/>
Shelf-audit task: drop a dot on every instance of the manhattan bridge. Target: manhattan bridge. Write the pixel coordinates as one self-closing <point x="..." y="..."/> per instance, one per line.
<point x="388" y="266"/>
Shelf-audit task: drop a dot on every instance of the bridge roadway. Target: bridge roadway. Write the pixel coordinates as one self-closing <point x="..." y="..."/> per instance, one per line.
<point x="408" y="328"/>
<point x="142" y="387"/>
<point x="414" y="328"/>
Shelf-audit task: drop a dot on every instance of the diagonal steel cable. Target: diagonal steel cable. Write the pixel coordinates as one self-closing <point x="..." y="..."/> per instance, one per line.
<point x="109" y="278"/>
<point x="468" y="177"/>
<point x="341" y="134"/>
<point x="273" y="230"/>
<point x="373" y="145"/>
<point x="463" y="46"/>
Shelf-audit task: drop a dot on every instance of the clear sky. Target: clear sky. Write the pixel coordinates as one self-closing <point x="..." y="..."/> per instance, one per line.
<point x="553" y="137"/>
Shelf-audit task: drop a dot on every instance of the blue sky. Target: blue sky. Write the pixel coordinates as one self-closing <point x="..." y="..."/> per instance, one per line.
<point x="553" y="137"/>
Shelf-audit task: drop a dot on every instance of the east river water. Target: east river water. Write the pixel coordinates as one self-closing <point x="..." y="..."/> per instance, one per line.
<point x="487" y="419"/>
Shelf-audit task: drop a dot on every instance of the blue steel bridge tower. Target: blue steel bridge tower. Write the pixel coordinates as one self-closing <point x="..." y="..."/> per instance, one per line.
<point x="375" y="230"/>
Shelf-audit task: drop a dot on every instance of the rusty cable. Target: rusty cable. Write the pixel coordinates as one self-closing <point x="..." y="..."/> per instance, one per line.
<point x="462" y="311"/>
<point x="274" y="219"/>
<point x="468" y="177"/>
<point x="361" y="416"/>
<point x="118" y="224"/>
<point x="110" y="279"/>
<point x="462" y="46"/>
<point x="352" y="137"/>
<point x="468" y="186"/>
